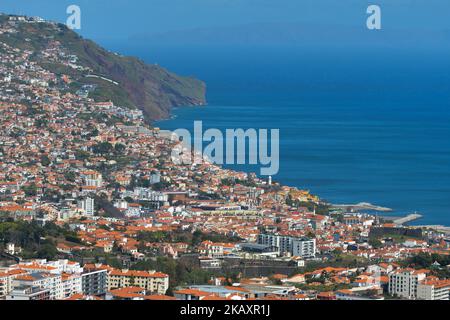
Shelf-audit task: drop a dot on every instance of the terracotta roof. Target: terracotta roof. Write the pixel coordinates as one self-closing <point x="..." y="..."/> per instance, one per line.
<point x="159" y="297"/>
<point x="192" y="292"/>
<point x="137" y="273"/>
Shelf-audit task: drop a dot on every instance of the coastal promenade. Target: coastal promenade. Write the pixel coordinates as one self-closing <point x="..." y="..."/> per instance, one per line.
<point x="408" y="218"/>
<point x="360" y="206"/>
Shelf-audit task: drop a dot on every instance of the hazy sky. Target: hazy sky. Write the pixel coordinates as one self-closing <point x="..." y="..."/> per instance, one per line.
<point x="118" y="19"/>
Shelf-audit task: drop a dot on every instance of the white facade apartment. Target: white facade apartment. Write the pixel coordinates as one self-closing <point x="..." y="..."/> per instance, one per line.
<point x="87" y="205"/>
<point x="5" y="284"/>
<point x="403" y="283"/>
<point x="305" y="248"/>
<point x="133" y="210"/>
<point x="93" y="179"/>
<point x="301" y="247"/>
<point x="61" y="277"/>
<point x="71" y="284"/>
<point x="53" y="267"/>
<point x="42" y="280"/>
<point x="66" y="266"/>
<point x="434" y="290"/>
<point x="215" y="251"/>
<point x="149" y="194"/>
<point x="156" y="282"/>
<point x="212" y="250"/>
<point x="6" y="278"/>
<point x="283" y="243"/>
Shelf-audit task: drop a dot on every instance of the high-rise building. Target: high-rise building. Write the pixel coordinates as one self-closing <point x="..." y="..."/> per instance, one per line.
<point x="94" y="282"/>
<point x="301" y="247"/>
<point x="29" y="293"/>
<point x="304" y="247"/>
<point x="155" y="282"/>
<point x="403" y="283"/>
<point x="87" y="205"/>
<point x="155" y="177"/>
<point x="434" y="290"/>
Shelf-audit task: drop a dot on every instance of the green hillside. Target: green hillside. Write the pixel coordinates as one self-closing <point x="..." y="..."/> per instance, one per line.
<point x="151" y="88"/>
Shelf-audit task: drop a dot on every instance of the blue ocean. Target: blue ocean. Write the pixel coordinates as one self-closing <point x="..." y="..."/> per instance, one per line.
<point x="355" y="125"/>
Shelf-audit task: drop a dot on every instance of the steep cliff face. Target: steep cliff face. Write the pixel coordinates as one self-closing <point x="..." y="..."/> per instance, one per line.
<point x="127" y="81"/>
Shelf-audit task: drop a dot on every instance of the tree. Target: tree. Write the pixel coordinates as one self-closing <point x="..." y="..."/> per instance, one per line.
<point x="81" y="155"/>
<point x="120" y="148"/>
<point x="47" y="251"/>
<point x="36" y="241"/>
<point x="375" y="243"/>
<point x="102" y="148"/>
<point x="158" y="236"/>
<point x="30" y="190"/>
<point x="39" y="123"/>
<point x="70" y="176"/>
<point x="45" y="160"/>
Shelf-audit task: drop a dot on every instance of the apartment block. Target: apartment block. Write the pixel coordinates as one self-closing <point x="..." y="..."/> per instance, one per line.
<point x="434" y="290"/>
<point x="94" y="282"/>
<point x="302" y="247"/>
<point x="403" y="283"/>
<point x="155" y="282"/>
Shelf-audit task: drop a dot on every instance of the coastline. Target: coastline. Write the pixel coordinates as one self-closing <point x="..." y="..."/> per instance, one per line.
<point x="400" y="219"/>
<point x="377" y="155"/>
<point x="438" y="228"/>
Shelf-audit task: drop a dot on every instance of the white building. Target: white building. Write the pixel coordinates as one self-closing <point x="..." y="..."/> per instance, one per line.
<point x="211" y="249"/>
<point x="53" y="267"/>
<point x="71" y="284"/>
<point x="155" y="198"/>
<point x="304" y="247"/>
<point x="92" y="179"/>
<point x="300" y="247"/>
<point x="28" y="293"/>
<point x="403" y="283"/>
<point x="155" y="177"/>
<point x="283" y="243"/>
<point x="52" y="282"/>
<point x="11" y="248"/>
<point x="133" y="210"/>
<point x="155" y="282"/>
<point x="434" y="290"/>
<point x="121" y="204"/>
<point x="6" y="278"/>
<point x="66" y="266"/>
<point x="87" y="205"/>
<point x="62" y="279"/>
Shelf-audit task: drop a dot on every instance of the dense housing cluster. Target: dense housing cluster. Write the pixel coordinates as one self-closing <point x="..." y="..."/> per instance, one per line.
<point x="92" y="207"/>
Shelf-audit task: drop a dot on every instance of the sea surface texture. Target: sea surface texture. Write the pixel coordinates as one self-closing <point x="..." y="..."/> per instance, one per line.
<point x="355" y="126"/>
